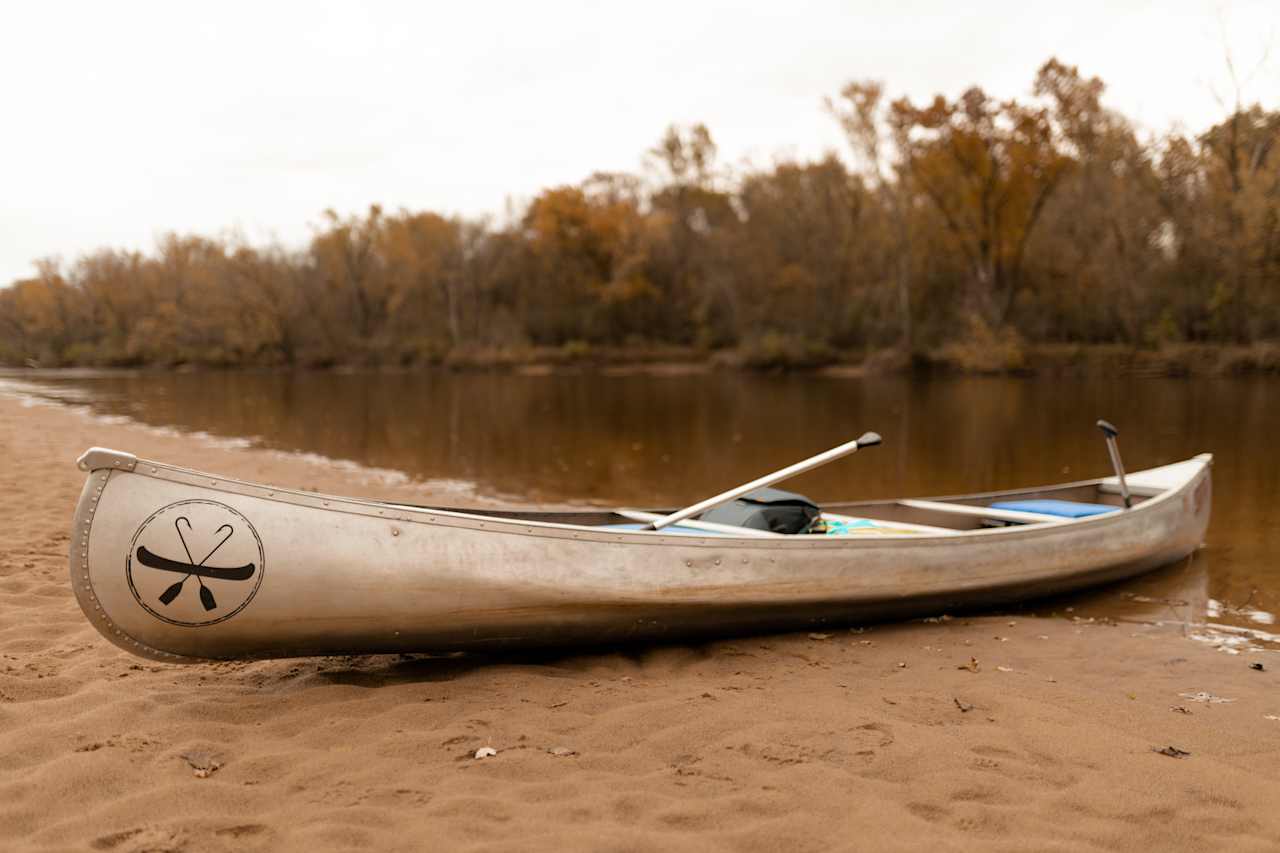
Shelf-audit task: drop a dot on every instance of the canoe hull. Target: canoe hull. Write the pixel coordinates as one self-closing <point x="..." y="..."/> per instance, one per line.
<point x="340" y="576"/>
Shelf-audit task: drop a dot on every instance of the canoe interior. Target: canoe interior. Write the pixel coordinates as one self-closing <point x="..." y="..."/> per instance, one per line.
<point x="879" y="510"/>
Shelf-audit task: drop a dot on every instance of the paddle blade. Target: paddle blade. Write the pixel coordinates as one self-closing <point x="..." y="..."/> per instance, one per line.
<point x="206" y="598"/>
<point x="171" y="593"/>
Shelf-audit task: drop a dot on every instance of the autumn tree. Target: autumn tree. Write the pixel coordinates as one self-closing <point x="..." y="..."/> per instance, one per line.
<point x="801" y="255"/>
<point x="274" y="324"/>
<point x="692" y="215"/>
<point x="421" y="258"/>
<point x="1097" y="243"/>
<point x="39" y="319"/>
<point x="879" y="148"/>
<point x="1241" y="169"/>
<point x="586" y="265"/>
<point x="351" y="281"/>
<point x="989" y="168"/>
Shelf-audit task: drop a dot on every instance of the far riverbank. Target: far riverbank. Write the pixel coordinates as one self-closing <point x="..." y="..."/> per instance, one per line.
<point x="991" y="357"/>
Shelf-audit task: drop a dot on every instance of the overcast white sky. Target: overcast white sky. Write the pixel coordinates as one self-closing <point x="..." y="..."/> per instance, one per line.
<point x="125" y="120"/>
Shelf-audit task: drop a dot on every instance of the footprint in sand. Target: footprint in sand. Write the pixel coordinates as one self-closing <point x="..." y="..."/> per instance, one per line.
<point x="928" y="811"/>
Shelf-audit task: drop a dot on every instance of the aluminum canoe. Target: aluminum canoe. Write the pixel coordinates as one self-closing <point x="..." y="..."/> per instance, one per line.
<point x="178" y="565"/>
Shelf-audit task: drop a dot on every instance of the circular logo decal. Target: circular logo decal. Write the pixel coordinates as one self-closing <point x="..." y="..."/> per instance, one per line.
<point x="195" y="563"/>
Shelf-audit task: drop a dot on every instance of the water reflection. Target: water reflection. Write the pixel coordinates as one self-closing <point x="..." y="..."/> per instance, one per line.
<point x="661" y="440"/>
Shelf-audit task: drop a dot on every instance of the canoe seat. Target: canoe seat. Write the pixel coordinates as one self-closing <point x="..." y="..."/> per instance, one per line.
<point x="1065" y="509"/>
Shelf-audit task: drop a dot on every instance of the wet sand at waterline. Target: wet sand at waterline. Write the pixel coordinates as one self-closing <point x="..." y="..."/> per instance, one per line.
<point x="888" y="738"/>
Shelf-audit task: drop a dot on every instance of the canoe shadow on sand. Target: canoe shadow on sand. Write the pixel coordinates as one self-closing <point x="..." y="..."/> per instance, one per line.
<point x="372" y="671"/>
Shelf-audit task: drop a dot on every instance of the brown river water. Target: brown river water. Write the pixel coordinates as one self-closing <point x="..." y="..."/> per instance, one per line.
<point x="646" y="440"/>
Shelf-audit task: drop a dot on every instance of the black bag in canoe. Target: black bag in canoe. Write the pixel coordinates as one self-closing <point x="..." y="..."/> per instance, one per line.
<point x="767" y="509"/>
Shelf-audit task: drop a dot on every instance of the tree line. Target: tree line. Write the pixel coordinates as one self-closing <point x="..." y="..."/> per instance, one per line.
<point x="964" y="223"/>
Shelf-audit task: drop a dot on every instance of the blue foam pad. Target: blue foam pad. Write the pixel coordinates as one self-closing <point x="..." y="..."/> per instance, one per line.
<point x="1066" y="509"/>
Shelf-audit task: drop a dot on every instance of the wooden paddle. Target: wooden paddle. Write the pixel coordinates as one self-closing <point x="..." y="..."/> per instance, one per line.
<point x="869" y="439"/>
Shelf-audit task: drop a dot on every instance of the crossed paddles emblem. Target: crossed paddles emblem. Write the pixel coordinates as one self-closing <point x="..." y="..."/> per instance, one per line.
<point x="191" y="568"/>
